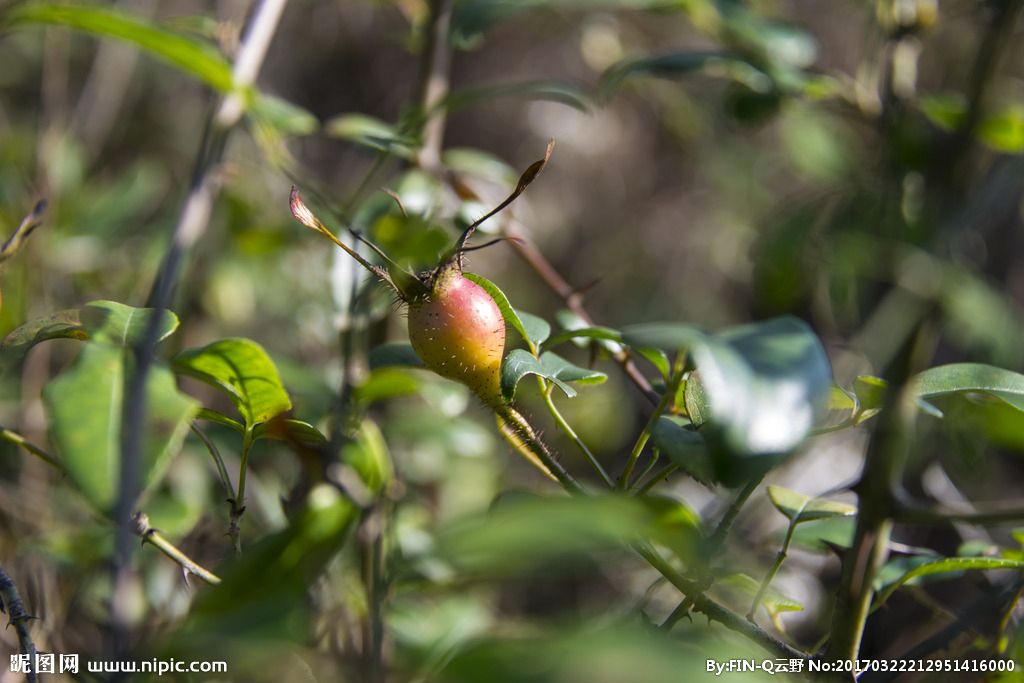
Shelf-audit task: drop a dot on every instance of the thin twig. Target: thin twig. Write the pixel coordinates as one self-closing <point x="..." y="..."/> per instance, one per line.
<point x="191" y="225"/>
<point x="434" y="83"/>
<point x="656" y="477"/>
<point x="19" y="618"/>
<point x="153" y="536"/>
<point x="19" y="440"/>
<point x="718" y="535"/>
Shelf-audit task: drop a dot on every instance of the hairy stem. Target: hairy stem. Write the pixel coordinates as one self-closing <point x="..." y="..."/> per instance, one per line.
<point x="238" y="502"/>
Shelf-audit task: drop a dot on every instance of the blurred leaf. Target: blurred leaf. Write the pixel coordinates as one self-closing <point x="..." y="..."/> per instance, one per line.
<point x="242" y="369"/>
<point x="520" y="363"/>
<point x="261" y="595"/>
<point x="85" y="407"/>
<point x="386" y="382"/>
<point x="870" y="392"/>
<point x="945" y="110"/>
<point x="368" y="455"/>
<point x="60" y="325"/>
<point x="713" y="63"/>
<point x="747" y="587"/>
<point x="121" y="325"/>
<point x="525" y="532"/>
<point x="192" y="56"/>
<point x="943" y="566"/>
<point x="684" y="447"/>
<point x="765" y="383"/>
<point x="481" y="164"/>
<point x="373" y="133"/>
<point x="800" y="508"/>
<point x="1003" y="131"/>
<point x="676" y="526"/>
<point x="550" y="91"/>
<point x="840" y="399"/>
<point x="507" y="312"/>
<point x="394" y="354"/>
<point x="284" y="117"/>
<point x="598" y="652"/>
<point x="427" y="630"/>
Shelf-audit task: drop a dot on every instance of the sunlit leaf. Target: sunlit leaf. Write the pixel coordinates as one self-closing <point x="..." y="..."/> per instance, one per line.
<point x="800" y="508"/>
<point x="765" y="383"/>
<point x="371" y="132"/>
<point x="114" y="323"/>
<point x="945" y="566"/>
<point x="242" y="369"/>
<point x="520" y="363"/>
<point x="198" y="58"/>
<point x="556" y="367"/>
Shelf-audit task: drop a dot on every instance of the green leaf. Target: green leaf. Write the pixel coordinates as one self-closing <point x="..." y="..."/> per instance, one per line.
<point x="971" y="377"/>
<point x="386" y="382"/>
<point x="284" y="117"/>
<point x="945" y="110"/>
<point x="747" y="587"/>
<point x="60" y="325"/>
<point x="524" y="531"/>
<point x="520" y="363"/>
<point x="583" y="333"/>
<point x="242" y="369"/>
<point x="1003" y="131"/>
<point x="676" y="526"/>
<point x="200" y="59"/>
<point x="371" y="132"/>
<point x="766" y="383"/>
<point x="214" y="416"/>
<point x="684" y="447"/>
<point x="394" y="354"/>
<point x="550" y="91"/>
<point x="261" y="593"/>
<point x="368" y="455"/>
<point x="945" y="565"/>
<point x="294" y="431"/>
<point x="537" y="329"/>
<point x="507" y="312"/>
<point x="800" y="508"/>
<point x="717" y="63"/>
<point x="556" y="367"/>
<point x="85" y="406"/>
<point x="478" y="163"/>
<point x="114" y="323"/>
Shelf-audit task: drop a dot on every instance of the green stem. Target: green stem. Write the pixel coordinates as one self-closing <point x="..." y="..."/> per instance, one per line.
<point x="571" y="433"/>
<point x="655" y="457"/>
<point x="19" y="440"/>
<point x="152" y="536"/>
<point x="718" y="535"/>
<point x="770" y="576"/>
<point x="638" y="447"/>
<point x="238" y="502"/>
<point x="222" y="470"/>
<point x="656" y="477"/>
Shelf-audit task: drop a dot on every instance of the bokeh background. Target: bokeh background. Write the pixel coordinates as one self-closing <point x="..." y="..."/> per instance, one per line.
<point x="857" y="164"/>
